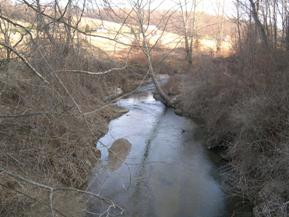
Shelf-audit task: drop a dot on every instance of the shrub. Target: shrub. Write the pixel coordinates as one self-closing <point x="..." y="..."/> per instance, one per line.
<point x="242" y="104"/>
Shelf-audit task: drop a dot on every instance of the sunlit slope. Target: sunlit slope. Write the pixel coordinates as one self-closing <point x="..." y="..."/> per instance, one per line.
<point x="113" y="37"/>
<point x="124" y="36"/>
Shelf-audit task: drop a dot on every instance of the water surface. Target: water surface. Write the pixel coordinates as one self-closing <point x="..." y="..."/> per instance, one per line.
<point x="165" y="172"/>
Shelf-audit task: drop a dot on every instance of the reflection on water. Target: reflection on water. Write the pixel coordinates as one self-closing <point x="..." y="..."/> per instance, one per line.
<point x="118" y="152"/>
<point x="164" y="173"/>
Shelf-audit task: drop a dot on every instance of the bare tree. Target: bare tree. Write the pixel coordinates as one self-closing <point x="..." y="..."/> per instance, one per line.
<point x="6" y="32"/>
<point x="238" y="20"/>
<point x="188" y="21"/>
<point x="143" y="23"/>
<point x="260" y="26"/>
<point x="220" y="24"/>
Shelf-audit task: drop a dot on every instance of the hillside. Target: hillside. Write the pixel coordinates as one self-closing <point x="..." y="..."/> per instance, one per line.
<point x="207" y="27"/>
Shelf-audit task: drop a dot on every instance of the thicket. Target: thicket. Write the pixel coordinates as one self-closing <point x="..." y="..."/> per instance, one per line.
<point x="242" y="103"/>
<point x="48" y="131"/>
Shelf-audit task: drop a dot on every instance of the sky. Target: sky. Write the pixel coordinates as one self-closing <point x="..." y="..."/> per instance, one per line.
<point x="211" y="7"/>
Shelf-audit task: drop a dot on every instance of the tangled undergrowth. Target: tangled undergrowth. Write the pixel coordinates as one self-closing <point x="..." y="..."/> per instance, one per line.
<point x="48" y="131"/>
<point x="242" y="103"/>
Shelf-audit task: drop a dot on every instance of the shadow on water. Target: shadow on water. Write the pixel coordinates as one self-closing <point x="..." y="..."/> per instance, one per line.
<point x="164" y="173"/>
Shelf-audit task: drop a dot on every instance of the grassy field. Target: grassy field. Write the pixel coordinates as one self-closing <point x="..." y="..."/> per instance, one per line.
<point x="123" y="35"/>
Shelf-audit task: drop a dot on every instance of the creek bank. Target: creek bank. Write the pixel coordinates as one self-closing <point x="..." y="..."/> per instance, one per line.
<point x="46" y="140"/>
<point x="241" y="102"/>
<point x="236" y="205"/>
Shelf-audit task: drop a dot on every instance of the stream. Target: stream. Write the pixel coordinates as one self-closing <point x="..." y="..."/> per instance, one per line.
<point x="164" y="173"/>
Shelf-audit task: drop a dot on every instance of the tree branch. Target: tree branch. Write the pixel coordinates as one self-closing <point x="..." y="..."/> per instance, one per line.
<point x="25" y="61"/>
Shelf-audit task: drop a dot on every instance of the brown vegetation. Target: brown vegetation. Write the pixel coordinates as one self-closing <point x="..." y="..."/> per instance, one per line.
<point x="43" y="134"/>
<point x="57" y="94"/>
<point x="242" y="104"/>
<point x="57" y="90"/>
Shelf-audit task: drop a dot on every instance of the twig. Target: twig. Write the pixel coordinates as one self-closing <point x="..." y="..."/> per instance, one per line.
<point x="24" y="115"/>
<point x="17" y="24"/>
<point x="106" y="200"/>
<point x="92" y="73"/>
<point x="53" y="190"/>
<point x="100" y="72"/>
<point x="51" y="203"/>
<point x="32" y="198"/>
<point x="118" y="98"/>
<point x="71" y="26"/>
<point x="25" y="179"/>
<point x="25" y="61"/>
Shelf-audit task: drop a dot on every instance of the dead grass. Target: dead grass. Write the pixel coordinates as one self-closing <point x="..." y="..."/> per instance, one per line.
<point x="243" y="105"/>
<point x="43" y="136"/>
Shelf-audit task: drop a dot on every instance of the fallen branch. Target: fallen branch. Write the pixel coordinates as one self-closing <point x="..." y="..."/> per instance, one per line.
<point x="100" y="72"/>
<point x="97" y="73"/>
<point x="92" y="73"/>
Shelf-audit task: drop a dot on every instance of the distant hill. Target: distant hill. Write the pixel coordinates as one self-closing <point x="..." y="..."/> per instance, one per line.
<point x="207" y="25"/>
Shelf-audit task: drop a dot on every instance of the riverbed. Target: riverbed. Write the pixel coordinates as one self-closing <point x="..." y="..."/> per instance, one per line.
<point x="164" y="173"/>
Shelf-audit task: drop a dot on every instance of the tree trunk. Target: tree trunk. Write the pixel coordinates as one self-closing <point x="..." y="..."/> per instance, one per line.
<point x="146" y="50"/>
<point x="275" y="24"/>
<point x="68" y="40"/>
<point x="239" y="25"/>
<point x="287" y="34"/>
<point x="259" y="24"/>
<point x="189" y="49"/>
<point x="166" y="100"/>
